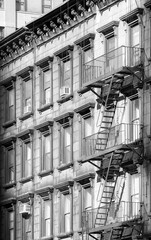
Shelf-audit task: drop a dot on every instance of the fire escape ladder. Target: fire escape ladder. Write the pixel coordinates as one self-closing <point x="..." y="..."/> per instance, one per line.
<point x="110" y="102"/>
<point x="110" y="176"/>
<point x="116" y="233"/>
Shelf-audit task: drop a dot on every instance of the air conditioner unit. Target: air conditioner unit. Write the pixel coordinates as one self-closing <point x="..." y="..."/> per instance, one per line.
<point x="27" y="109"/>
<point x="64" y="91"/>
<point x="24" y="209"/>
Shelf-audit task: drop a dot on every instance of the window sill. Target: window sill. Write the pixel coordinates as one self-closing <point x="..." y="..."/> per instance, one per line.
<point x="45" y="107"/>
<point x="83" y="90"/>
<point x="65" y="235"/>
<point x="9" y="123"/>
<point x="46" y="238"/>
<point x="26" y="179"/>
<point x="25" y="116"/>
<point x="65" y="99"/>
<point x="64" y="166"/>
<point x="45" y="173"/>
<point x="9" y="185"/>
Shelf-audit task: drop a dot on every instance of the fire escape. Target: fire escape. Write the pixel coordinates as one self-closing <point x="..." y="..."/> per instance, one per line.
<point x="121" y="81"/>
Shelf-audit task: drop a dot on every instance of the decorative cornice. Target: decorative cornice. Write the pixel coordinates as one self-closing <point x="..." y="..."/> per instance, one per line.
<point x="45" y="191"/>
<point x="85" y="38"/>
<point x="25" y="134"/>
<point x="64" y="186"/>
<point x="8" y="141"/>
<point x="85" y="178"/>
<point x="109" y="27"/>
<point x="8" y="81"/>
<point x="8" y="202"/>
<point x="25" y="197"/>
<point x="64" y="50"/>
<point x="132" y="16"/>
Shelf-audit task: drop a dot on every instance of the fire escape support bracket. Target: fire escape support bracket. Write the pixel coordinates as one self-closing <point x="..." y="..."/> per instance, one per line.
<point x="134" y="74"/>
<point x="95" y="92"/>
<point x="93" y="236"/>
<point x="94" y="164"/>
<point x="132" y="149"/>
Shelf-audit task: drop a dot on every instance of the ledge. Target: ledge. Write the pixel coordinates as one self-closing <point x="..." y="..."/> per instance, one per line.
<point x="85" y="178"/>
<point x="45" y="107"/>
<point x="9" y="123"/>
<point x="42" y="127"/>
<point x="65" y="166"/>
<point x="25" y="116"/>
<point x="65" y="235"/>
<point x="8" y="202"/>
<point x="44" y="62"/>
<point x="44" y="191"/>
<point x="26" y="179"/>
<point x="45" y="173"/>
<point x="25" y="197"/>
<point x="65" y="99"/>
<point x="9" y="185"/>
<point x="64" y="186"/>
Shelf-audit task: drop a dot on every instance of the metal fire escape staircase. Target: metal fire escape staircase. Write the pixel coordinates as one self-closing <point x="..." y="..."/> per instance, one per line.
<point x="109" y="102"/>
<point x="110" y="176"/>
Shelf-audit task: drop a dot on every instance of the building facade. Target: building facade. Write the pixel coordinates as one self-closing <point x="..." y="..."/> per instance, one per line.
<point x="15" y="14"/>
<point x="75" y="124"/>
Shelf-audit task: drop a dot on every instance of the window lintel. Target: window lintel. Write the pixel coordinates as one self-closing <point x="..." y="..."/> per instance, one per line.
<point x="64" y="51"/>
<point x="64" y="117"/>
<point x="26" y="197"/>
<point x="108" y="28"/>
<point x="43" y="127"/>
<point x="25" y="72"/>
<point x="85" y="178"/>
<point x="43" y="63"/>
<point x="84" y="109"/>
<point x="8" y="82"/>
<point x="8" y="141"/>
<point x="25" y="134"/>
<point x="64" y="186"/>
<point x="132" y="16"/>
<point x="85" y="40"/>
<point x="45" y="191"/>
<point x="8" y="202"/>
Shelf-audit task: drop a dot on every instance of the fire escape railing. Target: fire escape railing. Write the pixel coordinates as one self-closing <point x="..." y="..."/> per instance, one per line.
<point x="124" y="133"/>
<point x="125" y="211"/>
<point x="111" y="62"/>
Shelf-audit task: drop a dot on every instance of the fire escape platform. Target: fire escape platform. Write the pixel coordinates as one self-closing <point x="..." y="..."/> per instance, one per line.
<point x="100" y="154"/>
<point x="127" y="223"/>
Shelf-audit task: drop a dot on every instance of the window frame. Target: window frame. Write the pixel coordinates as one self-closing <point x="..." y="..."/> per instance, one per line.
<point x="45" y="194"/>
<point x="84" y="181"/>
<point x="25" y="138"/>
<point x="65" y="188"/>
<point x="9" y="206"/>
<point x="65" y="121"/>
<point x="63" y="55"/>
<point x="84" y="43"/>
<point x="1" y="4"/>
<point x="45" y="65"/>
<point x="25" y="75"/>
<point x="44" y="6"/>
<point x="84" y="112"/>
<point x="45" y="129"/>
<point x="9" y="144"/>
<point x="9" y="84"/>
<point x="24" y="199"/>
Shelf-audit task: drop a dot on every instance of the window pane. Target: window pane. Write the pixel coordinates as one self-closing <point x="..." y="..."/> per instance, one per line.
<point x="46" y="218"/>
<point x="67" y="144"/>
<point x="47" y="6"/>
<point x="11" y="225"/>
<point x="10" y="162"/>
<point x="67" y="202"/>
<point x="27" y="90"/>
<point x="87" y="198"/>
<point x="88" y="127"/>
<point x="28" y="159"/>
<point x="46" y="153"/>
<point x="67" y="69"/>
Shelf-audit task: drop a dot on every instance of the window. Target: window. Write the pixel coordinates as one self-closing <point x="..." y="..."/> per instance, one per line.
<point x="26" y="153"/>
<point x="9" y="101"/>
<point x="65" y="63"/>
<point x="85" y="182"/>
<point x="21" y="5"/>
<point x="66" y="139"/>
<point x="9" y="218"/>
<point x="1" y="4"/>
<point x="9" y="147"/>
<point x="135" y="44"/>
<point x="66" y="212"/>
<point x="86" y="56"/>
<point x="1" y="33"/>
<point x="46" y="148"/>
<point x="26" y="214"/>
<point x="26" y="77"/>
<point x="46" y="83"/>
<point x="87" y="139"/>
<point x="46" y="6"/>
<point x="135" y="115"/>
